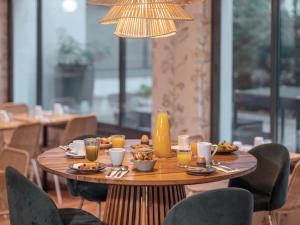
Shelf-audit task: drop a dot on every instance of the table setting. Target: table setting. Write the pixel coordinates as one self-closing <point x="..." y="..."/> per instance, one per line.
<point x="147" y="172"/>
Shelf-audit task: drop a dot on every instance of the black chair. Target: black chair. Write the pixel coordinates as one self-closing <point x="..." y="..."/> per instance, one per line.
<point x="269" y="182"/>
<point x="29" y="205"/>
<point x="88" y="191"/>
<point x="230" y="206"/>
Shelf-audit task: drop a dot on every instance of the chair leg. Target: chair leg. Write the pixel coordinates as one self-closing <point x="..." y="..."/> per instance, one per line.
<point x="57" y="189"/>
<point x="98" y="209"/>
<point x="81" y="203"/>
<point x="272" y="219"/>
<point x="36" y="173"/>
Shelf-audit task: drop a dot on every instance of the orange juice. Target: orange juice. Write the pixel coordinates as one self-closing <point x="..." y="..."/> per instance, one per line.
<point x="118" y="141"/>
<point x="91" y="152"/>
<point x="161" y="136"/>
<point x="184" y="158"/>
<point x="194" y="148"/>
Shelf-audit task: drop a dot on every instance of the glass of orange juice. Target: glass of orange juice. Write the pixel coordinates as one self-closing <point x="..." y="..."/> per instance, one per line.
<point x="118" y="141"/>
<point x="193" y="146"/>
<point x="184" y="157"/>
<point x="91" y="149"/>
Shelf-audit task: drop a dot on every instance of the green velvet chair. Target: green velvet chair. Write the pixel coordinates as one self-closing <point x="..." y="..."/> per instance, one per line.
<point x="269" y="182"/>
<point x="230" y="206"/>
<point x="88" y="191"/>
<point x="29" y="205"/>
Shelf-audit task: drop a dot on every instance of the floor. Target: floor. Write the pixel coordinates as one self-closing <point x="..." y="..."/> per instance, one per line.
<point x="258" y="218"/>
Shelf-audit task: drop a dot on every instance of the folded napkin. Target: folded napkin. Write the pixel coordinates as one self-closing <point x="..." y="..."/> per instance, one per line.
<point x="225" y="170"/>
<point x="113" y="174"/>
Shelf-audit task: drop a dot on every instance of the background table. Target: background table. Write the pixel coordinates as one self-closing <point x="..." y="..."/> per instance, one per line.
<point x="141" y="198"/>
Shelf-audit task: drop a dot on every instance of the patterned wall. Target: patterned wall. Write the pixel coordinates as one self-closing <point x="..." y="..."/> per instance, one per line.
<point x="3" y="51"/>
<point x="181" y="73"/>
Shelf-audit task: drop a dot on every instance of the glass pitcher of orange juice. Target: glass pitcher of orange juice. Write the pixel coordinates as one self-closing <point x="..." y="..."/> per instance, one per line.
<point x="161" y="136"/>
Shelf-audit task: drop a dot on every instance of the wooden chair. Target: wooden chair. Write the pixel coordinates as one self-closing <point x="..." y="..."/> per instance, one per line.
<point x="16" y="158"/>
<point x="26" y="137"/>
<point x="15" y="108"/>
<point x="75" y="127"/>
<point x="293" y="199"/>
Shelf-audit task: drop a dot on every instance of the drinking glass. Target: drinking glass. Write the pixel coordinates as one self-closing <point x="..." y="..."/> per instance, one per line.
<point x="91" y="149"/>
<point x="184" y="157"/>
<point x="118" y="141"/>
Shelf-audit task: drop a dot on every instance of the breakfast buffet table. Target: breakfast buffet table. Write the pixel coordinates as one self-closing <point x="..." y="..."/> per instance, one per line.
<point x="144" y="198"/>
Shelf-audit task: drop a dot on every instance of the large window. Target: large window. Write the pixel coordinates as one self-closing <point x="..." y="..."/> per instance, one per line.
<point x="81" y="64"/>
<point x="260" y="85"/>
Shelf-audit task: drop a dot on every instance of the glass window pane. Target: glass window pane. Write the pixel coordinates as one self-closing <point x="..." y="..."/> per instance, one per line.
<point x="289" y="92"/>
<point x="251" y="69"/>
<point x="80" y="60"/>
<point x="24" y="51"/>
<point x="138" y="105"/>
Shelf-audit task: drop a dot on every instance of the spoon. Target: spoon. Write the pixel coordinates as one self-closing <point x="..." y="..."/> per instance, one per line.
<point x="112" y="170"/>
<point x="123" y="169"/>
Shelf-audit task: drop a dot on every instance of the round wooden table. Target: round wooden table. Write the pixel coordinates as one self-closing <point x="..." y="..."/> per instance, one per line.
<point x="141" y="198"/>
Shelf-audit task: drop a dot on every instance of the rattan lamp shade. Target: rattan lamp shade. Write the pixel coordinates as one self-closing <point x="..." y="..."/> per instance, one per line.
<point x="161" y="11"/>
<point x="142" y="28"/>
<point x="145" y="18"/>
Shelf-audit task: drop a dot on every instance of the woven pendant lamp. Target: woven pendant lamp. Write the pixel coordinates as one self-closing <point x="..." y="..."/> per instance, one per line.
<point x="142" y="28"/>
<point x="161" y="11"/>
<point x="145" y="18"/>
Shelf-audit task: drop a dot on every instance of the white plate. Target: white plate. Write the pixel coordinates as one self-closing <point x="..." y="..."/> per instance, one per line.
<point x="69" y="154"/>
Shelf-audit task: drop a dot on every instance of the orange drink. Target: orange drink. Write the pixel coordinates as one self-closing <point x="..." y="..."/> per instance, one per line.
<point x="184" y="157"/>
<point x="194" y="148"/>
<point x="161" y="136"/>
<point x="118" y="141"/>
<point x="91" y="149"/>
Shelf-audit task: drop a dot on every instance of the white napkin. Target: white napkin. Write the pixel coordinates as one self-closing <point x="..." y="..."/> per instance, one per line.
<point x="112" y="175"/>
<point x="226" y="171"/>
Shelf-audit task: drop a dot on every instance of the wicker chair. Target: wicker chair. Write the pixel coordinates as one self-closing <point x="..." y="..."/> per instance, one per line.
<point x="293" y="200"/>
<point x="26" y="137"/>
<point x="75" y="127"/>
<point x="15" y="108"/>
<point x="16" y="158"/>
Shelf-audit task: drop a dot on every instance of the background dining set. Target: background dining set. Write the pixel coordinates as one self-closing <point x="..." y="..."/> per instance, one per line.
<point x="266" y="178"/>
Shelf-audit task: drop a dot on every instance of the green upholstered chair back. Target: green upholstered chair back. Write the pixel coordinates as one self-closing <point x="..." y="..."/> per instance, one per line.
<point x="28" y="205"/>
<point x="230" y="206"/>
<point x="271" y="175"/>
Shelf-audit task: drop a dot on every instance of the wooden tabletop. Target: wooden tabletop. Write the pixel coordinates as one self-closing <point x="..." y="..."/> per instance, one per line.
<point x="12" y="124"/>
<point x="48" y="118"/>
<point x="166" y="171"/>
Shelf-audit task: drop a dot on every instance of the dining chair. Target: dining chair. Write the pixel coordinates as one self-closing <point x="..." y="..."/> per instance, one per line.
<point x="27" y="137"/>
<point x="269" y="182"/>
<point x="75" y="127"/>
<point x="15" y="108"/>
<point x="293" y="200"/>
<point x="229" y="206"/>
<point x="29" y="205"/>
<point x="86" y="190"/>
<point x="16" y="158"/>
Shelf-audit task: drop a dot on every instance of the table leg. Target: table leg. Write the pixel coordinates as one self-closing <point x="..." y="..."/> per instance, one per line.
<point x="45" y="144"/>
<point x="140" y="205"/>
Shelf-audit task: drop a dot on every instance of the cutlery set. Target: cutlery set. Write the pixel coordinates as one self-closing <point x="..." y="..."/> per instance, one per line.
<point x="117" y="172"/>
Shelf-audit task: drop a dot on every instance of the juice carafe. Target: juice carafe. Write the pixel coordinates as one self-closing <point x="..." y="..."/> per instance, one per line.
<point x="161" y="136"/>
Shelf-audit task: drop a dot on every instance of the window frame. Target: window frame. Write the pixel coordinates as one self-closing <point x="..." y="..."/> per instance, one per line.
<point x="275" y="69"/>
<point x="103" y="128"/>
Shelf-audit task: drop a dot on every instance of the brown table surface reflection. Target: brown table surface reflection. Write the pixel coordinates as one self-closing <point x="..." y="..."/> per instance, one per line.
<point x="140" y="197"/>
